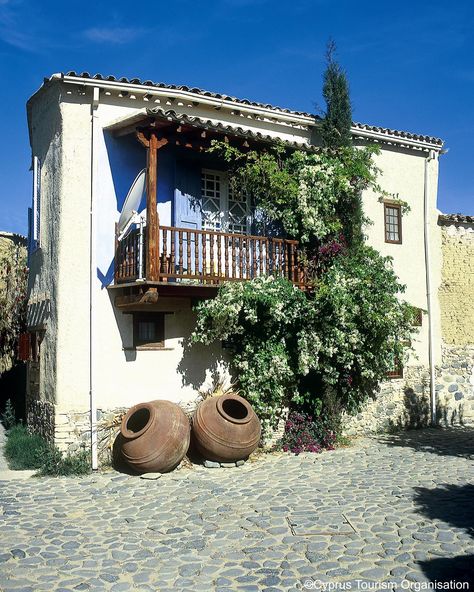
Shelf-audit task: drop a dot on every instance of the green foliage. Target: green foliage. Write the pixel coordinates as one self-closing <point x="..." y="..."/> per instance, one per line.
<point x="336" y="125"/>
<point x="310" y="196"/>
<point x="322" y="353"/>
<point x="363" y="324"/>
<point x="264" y="322"/>
<point x="24" y="450"/>
<point x="55" y="464"/>
<point x="8" y="417"/>
<point x="13" y="284"/>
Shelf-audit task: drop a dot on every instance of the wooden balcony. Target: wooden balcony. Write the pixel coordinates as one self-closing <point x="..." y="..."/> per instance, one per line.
<point x="207" y="258"/>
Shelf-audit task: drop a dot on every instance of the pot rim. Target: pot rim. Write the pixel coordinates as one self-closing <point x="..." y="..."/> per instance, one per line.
<point x="233" y="397"/>
<point x="126" y="433"/>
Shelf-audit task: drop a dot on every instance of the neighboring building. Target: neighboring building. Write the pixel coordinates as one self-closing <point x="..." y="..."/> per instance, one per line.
<point x="455" y="382"/>
<point x="109" y="328"/>
<point x="13" y="254"/>
<point x="12" y="280"/>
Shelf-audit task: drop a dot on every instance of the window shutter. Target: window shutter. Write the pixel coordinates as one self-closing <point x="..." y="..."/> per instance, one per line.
<point x="24" y="347"/>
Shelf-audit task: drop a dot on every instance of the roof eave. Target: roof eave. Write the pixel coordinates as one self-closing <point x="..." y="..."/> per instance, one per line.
<point x="276" y="114"/>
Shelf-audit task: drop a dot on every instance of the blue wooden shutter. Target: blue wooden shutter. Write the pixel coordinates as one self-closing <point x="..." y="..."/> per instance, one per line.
<point x="187" y="205"/>
<point x="187" y="196"/>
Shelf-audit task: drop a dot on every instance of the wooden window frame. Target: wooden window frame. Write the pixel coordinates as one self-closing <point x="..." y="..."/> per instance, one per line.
<point x="158" y="318"/>
<point x="398" y="207"/>
<point x="396" y="373"/>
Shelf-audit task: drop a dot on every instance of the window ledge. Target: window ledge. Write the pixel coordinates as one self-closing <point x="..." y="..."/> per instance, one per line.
<point x="148" y="348"/>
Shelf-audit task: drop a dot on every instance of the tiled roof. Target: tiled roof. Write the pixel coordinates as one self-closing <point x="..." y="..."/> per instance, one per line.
<point x="201" y="123"/>
<point x="191" y="89"/>
<point x="397" y="133"/>
<point x="456" y="218"/>
<point x="205" y="93"/>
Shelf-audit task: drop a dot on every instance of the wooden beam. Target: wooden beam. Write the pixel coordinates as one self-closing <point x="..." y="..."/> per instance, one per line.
<point x="152" y="219"/>
<point x="144" y="141"/>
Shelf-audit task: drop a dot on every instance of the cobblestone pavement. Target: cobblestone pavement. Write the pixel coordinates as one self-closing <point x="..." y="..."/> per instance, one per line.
<point x="392" y="509"/>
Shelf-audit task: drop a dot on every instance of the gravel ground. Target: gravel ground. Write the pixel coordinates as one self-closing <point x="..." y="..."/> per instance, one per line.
<point x="393" y="509"/>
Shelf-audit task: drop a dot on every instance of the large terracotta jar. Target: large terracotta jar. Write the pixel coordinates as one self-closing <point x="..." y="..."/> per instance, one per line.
<point x="225" y="428"/>
<point x="155" y="436"/>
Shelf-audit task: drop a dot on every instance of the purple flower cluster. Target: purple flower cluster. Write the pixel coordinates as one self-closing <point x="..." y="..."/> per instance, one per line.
<point x="333" y="248"/>
<point x="304" y="434"/>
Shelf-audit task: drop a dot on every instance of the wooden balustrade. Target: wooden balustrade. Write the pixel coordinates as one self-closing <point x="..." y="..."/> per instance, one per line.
<point x="209" y="257"/>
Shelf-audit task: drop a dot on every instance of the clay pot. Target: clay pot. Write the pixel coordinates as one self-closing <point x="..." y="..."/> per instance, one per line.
<point x="155" y="436"/>
<point x="225" y="428"/>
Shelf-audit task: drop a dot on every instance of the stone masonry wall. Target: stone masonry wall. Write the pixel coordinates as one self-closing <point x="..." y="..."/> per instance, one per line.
<point x="400" y="403"/>
<point x="456" y="294"/>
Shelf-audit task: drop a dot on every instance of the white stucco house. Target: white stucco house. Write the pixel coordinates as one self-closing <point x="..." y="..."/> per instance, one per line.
<point x="110" y="311"/>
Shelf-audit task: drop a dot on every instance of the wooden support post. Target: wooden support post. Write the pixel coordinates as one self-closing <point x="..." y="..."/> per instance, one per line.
<point x="152" y="219"/>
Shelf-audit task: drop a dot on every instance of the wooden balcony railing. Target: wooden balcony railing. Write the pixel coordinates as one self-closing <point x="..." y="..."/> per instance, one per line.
<point x="208" y="257"/>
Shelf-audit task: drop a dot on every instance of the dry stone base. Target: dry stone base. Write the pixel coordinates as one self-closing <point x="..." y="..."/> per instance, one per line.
<point x="405" y="403"/>
<point x="455" y="386"/>
<point x="401" y="403"/>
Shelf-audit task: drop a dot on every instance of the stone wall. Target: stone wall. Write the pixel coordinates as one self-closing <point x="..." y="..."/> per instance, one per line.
<point x="455" y="386"/>
<point x="456" y="294"/>
<point x="400" y="403"/>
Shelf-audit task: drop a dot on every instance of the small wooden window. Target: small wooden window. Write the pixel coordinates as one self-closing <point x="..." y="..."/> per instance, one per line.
<point x="393" y="223"/>
<point x="397" y="371"/>
<point x="149" y="330"/>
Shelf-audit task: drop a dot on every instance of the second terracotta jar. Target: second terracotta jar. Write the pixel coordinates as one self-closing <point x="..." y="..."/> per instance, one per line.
<point x="225" y="428"/>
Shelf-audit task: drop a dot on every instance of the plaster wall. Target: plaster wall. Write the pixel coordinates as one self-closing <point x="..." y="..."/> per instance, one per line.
<point x="402" y="176"/>
<point x="123" y="376"/>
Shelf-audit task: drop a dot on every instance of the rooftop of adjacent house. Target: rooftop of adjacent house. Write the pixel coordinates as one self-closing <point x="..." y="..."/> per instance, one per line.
<point x="455" y="219"/>
<point x="129" y="85"/>
<point x="13" y="236"/>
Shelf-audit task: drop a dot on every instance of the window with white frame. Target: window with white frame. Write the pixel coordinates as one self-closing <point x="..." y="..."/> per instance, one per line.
<point x="222" y="209"/>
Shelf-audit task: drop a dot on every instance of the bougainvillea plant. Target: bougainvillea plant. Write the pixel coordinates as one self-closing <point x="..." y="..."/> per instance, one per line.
<point x="304" y="434"/>
<point x="325" y="350"/>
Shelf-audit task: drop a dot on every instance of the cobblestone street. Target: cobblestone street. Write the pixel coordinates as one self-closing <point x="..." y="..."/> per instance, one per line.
<point x="393" y="509"/>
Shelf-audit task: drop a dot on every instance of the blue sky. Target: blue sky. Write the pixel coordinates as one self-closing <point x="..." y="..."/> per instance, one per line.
<point x="410" y="65"/>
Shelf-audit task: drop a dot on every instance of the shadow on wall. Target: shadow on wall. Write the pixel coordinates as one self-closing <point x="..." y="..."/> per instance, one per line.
<point x="201" y="365"/>
<point x="416" y="412"/>
<point x="453" y="505"/>
<point x="125" y="327"/>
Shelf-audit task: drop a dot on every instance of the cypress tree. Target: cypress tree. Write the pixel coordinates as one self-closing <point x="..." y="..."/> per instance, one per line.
<point x="336" y="125"/>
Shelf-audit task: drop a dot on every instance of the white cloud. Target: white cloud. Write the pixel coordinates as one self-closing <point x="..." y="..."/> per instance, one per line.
<point x="116" y="35"/>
